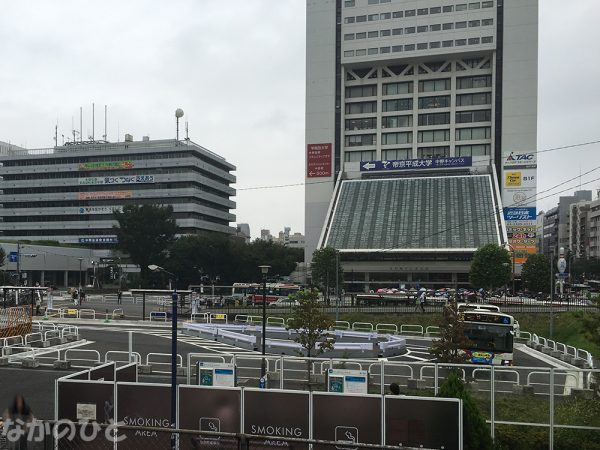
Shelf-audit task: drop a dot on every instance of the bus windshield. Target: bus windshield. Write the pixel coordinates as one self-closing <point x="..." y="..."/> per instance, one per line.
<point x="490" y="338"/>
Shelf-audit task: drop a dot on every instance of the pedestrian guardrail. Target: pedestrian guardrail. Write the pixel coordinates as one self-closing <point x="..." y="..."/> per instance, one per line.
<point x="276" y="321"/>
<point x="162" y="359"/>
<point x="386" y="328"/>
<point x="217" y="318"/>
<point x="199" y="317"/>
<point x="113" y="356"/>
<point x="118" y="313"/>
<point x="411" y="329"/>
<point x="362" y="326"/>
<point x="87" y="313"/>
<point x="432" y="330"/>
<point x="341" y="325"/>
<point x="33" y="338"/>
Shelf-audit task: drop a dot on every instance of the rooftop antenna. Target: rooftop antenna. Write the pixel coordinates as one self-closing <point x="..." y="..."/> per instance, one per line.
<point x="56" y="135"/>
<point x="178" y="115"/>
<point x="81" y="124"/>
<point x="118" y="131"/>
<point x="187" y="138"/>
<point x="104" y="136"/>
<point x="93" y="123"/>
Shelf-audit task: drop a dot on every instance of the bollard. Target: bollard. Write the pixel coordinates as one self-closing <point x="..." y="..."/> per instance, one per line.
<point x="106" y="319"/>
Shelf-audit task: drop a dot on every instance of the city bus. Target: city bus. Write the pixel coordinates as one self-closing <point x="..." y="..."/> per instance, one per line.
<point x="491" y="334"/>
<point x="253" y="292"/>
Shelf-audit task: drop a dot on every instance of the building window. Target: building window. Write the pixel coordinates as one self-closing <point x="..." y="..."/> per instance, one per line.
<point x="384" y="49"/>
<point x="397" y="31"/>
<point x="396" y="121"/>
<point x="447" y="43"/>
<point x="359" y="156"/>
<point x="478" y="81"/>
<point x="349" y="20"/>
<point x="397" y="48"/>
<point x="422" y="29"/>
<point x="373" y="34"/>
<point x="434" y="85"/>
<point x="473" y="150"/>
<point x="435" y="10"/>
<point x="361" y="35"/>
<point x="397" y="153"/>
<point x="487" y="4"/>
<point x="472" y="134"/>
<point x="482" y="115"/>
<point x="348" y="53"/>
<point x="473" y="41"/>
<point x="373" y="17"/>
<point x="361" y="18"/>
<point x="474" y="23"/>
<point x="448" y="26"/>
<point x="409" y="13"/>
<point x="435" y="44"/>
<point x="401" y="104"/>
<point x="437" y="101"/>
<point x="358" y="140"/>
<point x="373" y="51"/>
<point x="422" y="46"/>
<point x="409" y="47"/>
<point x="434" y="136"/>
<point x="396" y="138"/>
<point x="385" y="16"/>
<point x="373" y="2"/>
<point x="461" y="7"/>
<point x="349" y="37"/>
<point x="487" y="22"/>
<point x="366" y="123"/>
<point x="434" y="119"/>
<point x="385" y="33"/>
<point x="361" y="107"/>
<point x="461" y="42"/>
<point x="398" y="88"/>
<point x="433" y="152"/>
<point x="483" y="98"/>
<point x="487" y="40"/>
<point x="460" y="25"/>
<point x="448" y="9"/>
<point x="398" y="14"/>
<point x="475" y="5"/>
<point x="349" y="3"/>
<point x="435" y="27"/>
<point x="361" y="91"/>
<point x="409" y="30"/>
<point x="422" y="11"/>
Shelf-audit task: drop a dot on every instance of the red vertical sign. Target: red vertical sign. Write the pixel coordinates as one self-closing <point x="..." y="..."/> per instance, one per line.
<point x="318" y="160"/>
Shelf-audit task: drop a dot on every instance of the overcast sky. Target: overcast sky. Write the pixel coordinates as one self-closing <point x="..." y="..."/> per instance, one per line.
<point x="237" y="70"/>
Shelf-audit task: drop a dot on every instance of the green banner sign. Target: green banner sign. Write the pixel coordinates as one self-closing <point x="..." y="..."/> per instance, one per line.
<point x="106" y="165"/>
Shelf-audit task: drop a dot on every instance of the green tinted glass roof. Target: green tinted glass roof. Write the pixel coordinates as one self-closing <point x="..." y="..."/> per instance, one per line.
<point x="414" y="213"/>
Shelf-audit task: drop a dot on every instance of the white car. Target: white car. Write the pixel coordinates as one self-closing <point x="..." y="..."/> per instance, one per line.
<point x="284" y="303"/>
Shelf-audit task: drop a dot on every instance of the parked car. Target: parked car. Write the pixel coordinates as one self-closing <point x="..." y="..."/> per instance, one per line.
<point x="283" y="303"/>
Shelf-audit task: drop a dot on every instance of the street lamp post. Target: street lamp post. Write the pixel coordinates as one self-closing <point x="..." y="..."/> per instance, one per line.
<point x="264" y="270"/>
<point x="155" y="268"/>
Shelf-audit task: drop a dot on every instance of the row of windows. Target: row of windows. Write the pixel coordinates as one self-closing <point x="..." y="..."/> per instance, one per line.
<point x="406" y="137"/>
<point x="432" y="102"/>
<point x="97" y="217"/>
<point x="422" y="152"/>
<point x="420" y="46"/>
<point x="432" y="119"/>
<point x="420" y="29"/>
<point x="406" y="87"/>
<point x="425" y="11"/>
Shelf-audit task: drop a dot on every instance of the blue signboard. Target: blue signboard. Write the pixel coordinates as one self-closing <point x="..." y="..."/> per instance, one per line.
<point x="98" y="240"/>
<point x="412" y="164"/>
<point x="13" y="257"/>
<point x="519" y="214"/>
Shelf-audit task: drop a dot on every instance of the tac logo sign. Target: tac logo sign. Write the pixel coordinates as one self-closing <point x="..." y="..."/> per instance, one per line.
<point x="512" y="179"/>
<point x="520" y="159"/>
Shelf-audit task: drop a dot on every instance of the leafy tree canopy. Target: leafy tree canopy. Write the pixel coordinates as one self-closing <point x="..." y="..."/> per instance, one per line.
<point x="448" y="348"/>
<point x="323" y="268"/>
<point x="491" y="267"/>
<point x="536" y="274"/>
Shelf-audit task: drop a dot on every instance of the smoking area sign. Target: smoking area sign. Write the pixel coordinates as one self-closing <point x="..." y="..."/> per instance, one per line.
<point x="216" y="374"/>
<point x="347" y="381"/>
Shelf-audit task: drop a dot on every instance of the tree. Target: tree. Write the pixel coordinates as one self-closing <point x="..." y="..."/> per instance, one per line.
<point x="536" y="274"/>
<point x="323" y="269"/>
<point x="311" y="326"/>
<point x="145" y="233"/>
<point x="2" y="257"/>
<point x="491" y="267"/>
<point x="448" y="348"/>
<point x="476" y="432"/>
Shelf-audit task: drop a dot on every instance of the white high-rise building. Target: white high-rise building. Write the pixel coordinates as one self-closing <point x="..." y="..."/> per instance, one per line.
<point x="405" y="80"/>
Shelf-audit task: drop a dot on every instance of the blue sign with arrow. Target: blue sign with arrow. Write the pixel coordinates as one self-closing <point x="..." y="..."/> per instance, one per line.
<point x="413" y="164"/>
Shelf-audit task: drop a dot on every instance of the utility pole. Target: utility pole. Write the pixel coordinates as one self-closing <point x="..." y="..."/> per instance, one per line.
<point x="18" y="264"/>
<point x="337" y="285"/>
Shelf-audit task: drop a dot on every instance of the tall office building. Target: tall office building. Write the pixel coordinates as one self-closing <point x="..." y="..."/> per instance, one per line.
<point x="396" y="83"/>
<point x="68" y="193"/>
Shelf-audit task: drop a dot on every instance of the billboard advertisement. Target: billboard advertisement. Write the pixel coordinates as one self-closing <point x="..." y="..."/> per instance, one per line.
<point x="105" y="195"/>
<point x="209" y="409"/>
<point x="144" y="405"/>
<point x="277" y="413"/>
<point x="123" y="179"/>
<point x="411" y="164"/>
<point x="525" y="159"/>
<point x="318" y="160"/>
<point x="349" y="419"/>
<point x="106" y="165"/>
<point x="422" y="422"/>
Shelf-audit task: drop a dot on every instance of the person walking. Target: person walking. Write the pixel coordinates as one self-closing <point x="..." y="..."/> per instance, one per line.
<point x="421" y="300"/>
<point x="18" y="415"/>
<point x="119" y="297"/>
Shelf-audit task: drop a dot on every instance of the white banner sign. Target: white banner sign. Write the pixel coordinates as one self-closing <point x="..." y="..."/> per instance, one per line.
<point x="124" y="179"/>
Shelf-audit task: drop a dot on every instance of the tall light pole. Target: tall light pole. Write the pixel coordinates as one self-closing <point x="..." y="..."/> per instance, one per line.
<point x="155" y="268"/>
<point x="551" y="292"/>
<point x="264" y="270"/>
<point x="337" y="285"/>
<point x="80" y="261"/>
<point x="512" y="250"/>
